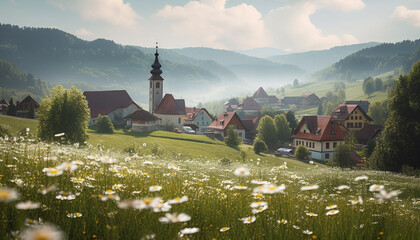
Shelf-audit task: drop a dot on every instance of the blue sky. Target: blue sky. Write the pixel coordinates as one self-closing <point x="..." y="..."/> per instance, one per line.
<point x="291" y="25"/>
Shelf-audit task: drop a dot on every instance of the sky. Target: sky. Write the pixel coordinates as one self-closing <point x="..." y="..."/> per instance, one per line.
<point x="289" y="25"/>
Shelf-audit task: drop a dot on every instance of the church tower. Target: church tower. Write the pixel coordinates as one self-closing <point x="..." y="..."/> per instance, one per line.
<point x="156" y="84"/>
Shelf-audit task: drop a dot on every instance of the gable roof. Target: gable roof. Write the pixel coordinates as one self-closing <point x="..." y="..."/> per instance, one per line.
<point x="363" y="104"/>
<point x="249" y="103"/>
<point x="192" y="112"/>
<point x="343" y="111"/>
<point x="224" y="119"/>
<point x="4" y="102"/>
<point x="171" y="106"/>
<point x="142" y="115"/>
<point x="292" y="100"/>
<point x="251" y="122"/>
<point x="368" y="132"/>
<point x="260" y="93"/>
<point x="321" y="128"/>
<point x="29" y="99"/>
<point x="273" y="99"/>
<point x="104" y="102"/>
<point x="231" y="101"/>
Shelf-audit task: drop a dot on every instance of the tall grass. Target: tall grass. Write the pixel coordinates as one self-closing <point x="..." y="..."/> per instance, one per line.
<point x="213" y="202"/>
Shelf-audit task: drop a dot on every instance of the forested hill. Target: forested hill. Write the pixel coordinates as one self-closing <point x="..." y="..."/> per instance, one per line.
<point x="372" y="61"/>
<point x="17" y="85"/>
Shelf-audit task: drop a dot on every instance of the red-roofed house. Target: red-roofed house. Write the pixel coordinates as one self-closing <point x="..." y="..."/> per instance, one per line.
<point x="251" y="124"/>
<point x="219" y="126"/>
<point x="262" y="98"/>
<point x="198" y="117"/>
<point x="171" y="111"/>
<point x="141" y="120"/>
<point x="351" y="116"/>
<point x="116" y="104"/>
<point x="319" y="134"/>
<point x="249" y="106"/>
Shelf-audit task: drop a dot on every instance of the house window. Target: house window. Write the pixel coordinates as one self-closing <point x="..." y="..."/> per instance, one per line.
<point x="355" y="112"/>
<point x="351" y="117"/>
<point x="348" y="125"/>
<point x="240" y="134"/>
<point x="360" y="117"/>
<point x="334" y="144"/>
<point x="327" y="156"/>
<point x="304" y="131"/>
<point x="360" y="124"/>
<point x="157" y="84"/>
<point x="179" y="120"/>
<point x="327" y="145"/>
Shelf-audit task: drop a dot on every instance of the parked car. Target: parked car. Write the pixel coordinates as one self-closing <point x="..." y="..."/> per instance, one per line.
<point x="286" y="152"/>
<point x="188" y="130"/>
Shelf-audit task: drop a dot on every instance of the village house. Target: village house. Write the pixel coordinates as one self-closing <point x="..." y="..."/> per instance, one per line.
<point x="171" y="111"/>
<point x="231" y="105"/>
<point x="262" y="98"/>
<point x="351" y="116"/>
<point x="363" y="104"/>
<point x="251" y="123"/>
<point x="27" y="108"/>
<point x="4" y="106"/>
<point x="249" y="107"/>
<point x="198" y="119"/>
<point x="307" y="100"/>
<point x="141" y="120"/>
<point x="116" y="104"/>
<point x="368" y="133"/>
<point x="320" y="135"/>
<point x="219" y="126"/>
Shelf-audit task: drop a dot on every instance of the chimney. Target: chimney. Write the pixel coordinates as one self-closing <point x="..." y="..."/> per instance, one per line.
<point x="225" y="114"/>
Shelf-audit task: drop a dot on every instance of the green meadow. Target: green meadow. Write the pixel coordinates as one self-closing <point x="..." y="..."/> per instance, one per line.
<point x="165" y="185"/>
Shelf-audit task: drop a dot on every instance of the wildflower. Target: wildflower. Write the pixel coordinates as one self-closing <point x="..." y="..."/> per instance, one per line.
<point x="242" y="172"/>
<point x="309" y="187"/>
<point x="257" y="195"/>
<point x="258" y="204"/>
<point x="65" y="196"/>
<point x="189" y="231"/>
<point x="329" y="207"/>
<point x="8" y="194"/>
<point x="332" y="212"/>
<point x="147" y="203"/>
<point x="296" y="227"/>
<point x="358" y="201"/>
<point x="260" y="182"/>
<point x="27" y="205"/>
<point x="45" y="232"/>
<point x="174" y="218"/>
<point x="52" y="172"/>
<point x="74" y="215"/>
<point x="117" y="186"/>
<point x="172" y="166"/>
<point x="30" y="222"/>
<point x="311" y="162"/>
<point x="108" y="160"/>
<point x="147" y="163"/>
<point x="178" y="200"/>
<point x="307" y="232"/>
<point x="259" y="209"/>
<point x="59" y="134"/>
<point x="295" y="177"/>
<point x="284" y="166"/>
<point x="224" y="229"/>
<point x="283" y="221"/>
<point x="361" y="178"/>
<point x="162" y="207"/>
<point x="144" y="144"/>
<point x="66" y="166"/>
<point x="113" y="169"/>
<point x="376" y="188"/>
<point x="110" y="197"/>
<point x="342" y="187"/>
<point x="77" y="180"/>
<point x="155" y="188"/>
<point x="239" y="187"/>
<point x="248" y="220"/>
<point x="383" y="195"/>
<point x="269" y="189"/>
<point x="311" y="214"/>
<point x="109" y="191"/>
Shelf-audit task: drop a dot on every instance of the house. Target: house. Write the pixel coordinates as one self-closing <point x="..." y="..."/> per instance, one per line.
<point x="141" y="120"/>
<point x="350" y="116"/>
<point x="320" y="135"/>
<point x="198" y="119"/>
<point x="262" y="98"/>
<point x="249" y="106"/>
<point x="251" y="123"/>
<point x="368" y="133"/>
<point x="27" y="108"/>
<point x="363" y="104"/>
<point x="4" y="106"/>
<point x="116" y="104"/>
<point x="305" y="101"/>
<point x="219" y="126"/>
<point x="171" y="111"/>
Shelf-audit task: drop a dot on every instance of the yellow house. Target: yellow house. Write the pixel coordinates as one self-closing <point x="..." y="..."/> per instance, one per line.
<point x="351" y="116"/>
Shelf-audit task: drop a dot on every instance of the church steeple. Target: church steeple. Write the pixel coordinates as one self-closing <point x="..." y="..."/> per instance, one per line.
<point x="156" y="67"/>
<point x="156" y="84"/>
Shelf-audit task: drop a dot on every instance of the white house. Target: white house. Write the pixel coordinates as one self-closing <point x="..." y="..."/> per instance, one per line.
<point x="171" y="111"/>
<point x="141" y="121"/>
<point x="198" y="119"/>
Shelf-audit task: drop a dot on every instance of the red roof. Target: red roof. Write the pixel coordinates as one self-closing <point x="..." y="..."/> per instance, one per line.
<point x="342" y="111"/>
<point x="249" y="103"/>
<point x="142" y="115"/>
<point x="192" y="112"/>
<point x="223" y="120"/>
<point x="171" y="106"/>
<point x="104" y="102"/>
<point x="368" y="132"/>
<point x="321" y="128"/>
<point x="29" y="99"/>
<point x="251" y="122"/>
<point x="260" y="93"/>
<point x="273" y="99"/>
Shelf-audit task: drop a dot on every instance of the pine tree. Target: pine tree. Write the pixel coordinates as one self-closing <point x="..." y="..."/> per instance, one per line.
<point x="232" y="139"/>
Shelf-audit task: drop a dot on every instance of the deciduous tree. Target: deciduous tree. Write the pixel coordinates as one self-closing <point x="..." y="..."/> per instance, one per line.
<point x="267" y="131"/>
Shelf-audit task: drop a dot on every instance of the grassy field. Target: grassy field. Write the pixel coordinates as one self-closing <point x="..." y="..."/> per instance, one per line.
<point x="103" y="191"/>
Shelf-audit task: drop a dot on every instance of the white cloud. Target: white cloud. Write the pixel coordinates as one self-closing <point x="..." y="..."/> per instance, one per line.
<point x="291" y="27"/>
<point x="410" y="16"/>
<point x="83" y="33"/>
<point x="209" y="23"/>
<point x="114" y="12"/>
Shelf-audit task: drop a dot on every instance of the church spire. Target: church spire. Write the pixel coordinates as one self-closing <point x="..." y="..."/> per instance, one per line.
<point x="156" y="67"/>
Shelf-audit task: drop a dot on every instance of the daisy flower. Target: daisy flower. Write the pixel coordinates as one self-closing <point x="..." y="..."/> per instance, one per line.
<point x="66" y="166"/>
<point x="309" y="187"/>
<point x="332" y="212"/>
<point x="342" y="187"/>
<point x="242" y="172"/>
<point x="107" y="160"/>
<point x="174" y="218"/>
<point x="109" y="191"/>
<point x="361" y="178"/>
<point x="178" y="200"/>
<point x="155" y="188"/>
<point x="383" y="195"/>
<point x="52" y="172"/>
<point x="283" y="221"/>
<point x="224" y="229"/>
<point x="358" y="201"/>
<point x="59" y="134"/>
<point x="311" y="214"/>
<point x="248" y="220"/>
<point x="74" y="215"/>
<point x="110" y="197"/>
<point x="376" y="188"/>
<point x="28" y="205"/>
<point x="147" y="203"/>
<point x="65" y="196"/>
<point x="239" y="187"/>
<point x="188" y="231"/>
<point x="329" y="207"/>
<point x="45" y="232"/>
<point x="8" y="194"/>
<point x="307" y="232"/>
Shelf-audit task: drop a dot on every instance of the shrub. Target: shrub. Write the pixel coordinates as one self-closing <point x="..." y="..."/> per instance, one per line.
<point x="260" y="146"/>
<point x="342" y="156"/>
<point x="104" y="124"/>
<point x="4" y="131"/>
<point x="232" y="139"/>
<point x="301" y="152"/>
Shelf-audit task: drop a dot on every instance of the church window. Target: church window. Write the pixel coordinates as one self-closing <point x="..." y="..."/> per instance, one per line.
<point x="157" y="84"/>
<point x="151" y="85"/>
